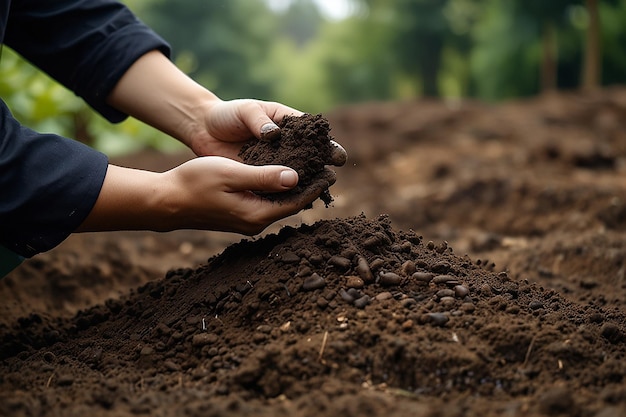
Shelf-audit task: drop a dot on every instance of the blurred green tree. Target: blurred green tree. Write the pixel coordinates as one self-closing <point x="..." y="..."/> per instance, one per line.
<point x="219" y="41"/>
<point x="385" y="50"/>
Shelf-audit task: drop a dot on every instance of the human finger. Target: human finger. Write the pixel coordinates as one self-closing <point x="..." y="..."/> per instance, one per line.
<point x="264" y="179"/>
<point x="338" y="155"/>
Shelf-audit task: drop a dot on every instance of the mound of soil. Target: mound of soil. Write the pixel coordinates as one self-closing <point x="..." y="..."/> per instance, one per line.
<point x="303" y="144"/>
<point x="342" y="308"/>
<point x="344" y="311"/>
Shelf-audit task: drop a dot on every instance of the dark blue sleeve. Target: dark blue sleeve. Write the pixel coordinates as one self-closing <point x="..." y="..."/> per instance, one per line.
<point x="48" y="186"/>
<point x="86" y="45"/>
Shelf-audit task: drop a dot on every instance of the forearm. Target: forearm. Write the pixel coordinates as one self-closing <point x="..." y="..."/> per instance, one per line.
<point x="208" y="193"/>
<point x="156" y="92"/>
<point x="130" y="199"/>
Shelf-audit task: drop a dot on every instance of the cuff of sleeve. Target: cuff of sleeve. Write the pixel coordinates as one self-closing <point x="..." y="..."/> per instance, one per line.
<point x="54" y="184"/>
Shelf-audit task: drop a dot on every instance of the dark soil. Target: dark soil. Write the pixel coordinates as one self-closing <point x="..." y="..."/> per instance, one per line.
<point x="303" y="144"/>
<point x="472" y="264"/>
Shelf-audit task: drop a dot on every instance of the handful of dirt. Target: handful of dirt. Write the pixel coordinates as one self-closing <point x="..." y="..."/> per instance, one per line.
<point x="303" y="144"/>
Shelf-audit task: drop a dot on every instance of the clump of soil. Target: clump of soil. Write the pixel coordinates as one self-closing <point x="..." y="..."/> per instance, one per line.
<point x="303" y="144"/>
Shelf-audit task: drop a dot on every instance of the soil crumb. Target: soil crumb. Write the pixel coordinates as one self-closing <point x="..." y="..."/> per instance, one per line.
<point x="303" y="144"/>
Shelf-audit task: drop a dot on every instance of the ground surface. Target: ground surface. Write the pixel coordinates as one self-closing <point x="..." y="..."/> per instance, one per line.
<point x="472" y="264"/>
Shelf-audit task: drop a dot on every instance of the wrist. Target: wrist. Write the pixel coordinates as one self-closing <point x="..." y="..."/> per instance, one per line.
<point x="130" y="199"/>
<point x="193" y="129"/>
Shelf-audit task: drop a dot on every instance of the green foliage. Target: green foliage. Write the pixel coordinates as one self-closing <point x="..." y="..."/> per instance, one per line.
<point x="386" y="50"/>
<point x="506" y="54"/>
<point x="613" y="18"/>
<point x="42" y="104"/>
<point x="223" y="38"/>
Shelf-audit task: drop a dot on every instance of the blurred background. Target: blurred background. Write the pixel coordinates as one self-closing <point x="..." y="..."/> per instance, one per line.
<point x="317" y="55"/>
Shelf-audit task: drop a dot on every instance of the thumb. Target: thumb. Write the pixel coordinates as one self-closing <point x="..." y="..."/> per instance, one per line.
<point x="266" y="178"/>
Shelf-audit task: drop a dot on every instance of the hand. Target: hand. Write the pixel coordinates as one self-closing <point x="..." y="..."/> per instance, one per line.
<point x="229" y="124"/>
<point x="232" y="205"/>
<point x="155" y="91"/>
<point x="208" y="193"/>
<point x="226" y="125"/>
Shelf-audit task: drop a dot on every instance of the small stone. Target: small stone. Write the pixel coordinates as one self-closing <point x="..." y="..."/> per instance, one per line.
<point x="447" y="302"/>
<point x="376" y="264"/>
<point x="354" y="282"/>
<point x="203" y="339"/>
<point x="408" y="268"/>
<point x="422" y="276"/>
<point x="408" y="302"/>
<point x="445" y="293"/>
<point x="264" y="328"/>
<point x="535" y="305"/>
<point x="322" y="302"/>
<point x="289" y="258"/>
<point x="461" y="291"/>
<point x="304" y="271"/>
<point x="345" y="296"/>
<point x="362" y="302"/>
<point x="372" y="241"/>
<point x="445" y="279"/>
<point x="354" y="293"/>
<point x="438" y="319"/>
<point x="171" y="366"/>
<point x="313" y="282"/>
<point x="363" y="270"/>
<point x="389" y="278"/>
<point x="383" y="296"/>
<point x="340" y="262"/>
<point x="407" y="325"/>
<point x="442" y="267"/>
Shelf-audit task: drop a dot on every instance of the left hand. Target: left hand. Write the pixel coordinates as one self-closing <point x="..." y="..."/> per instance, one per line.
<point x="228" y="124"/>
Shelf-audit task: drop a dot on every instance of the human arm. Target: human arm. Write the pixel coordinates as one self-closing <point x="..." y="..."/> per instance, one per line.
<point x="102" y="52"/>
<point x="48" y="185"/>
<point x="208" y="193"/>
<point x="155" y="91"/>
<point x="91" y="61"/>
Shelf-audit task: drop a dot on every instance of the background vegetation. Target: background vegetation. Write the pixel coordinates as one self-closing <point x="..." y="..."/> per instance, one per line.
<point x="382" y="50"/>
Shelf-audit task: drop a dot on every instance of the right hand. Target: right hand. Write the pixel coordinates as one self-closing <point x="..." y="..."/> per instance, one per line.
<point x="207" y="193"/>
<point x="217" y="193"/>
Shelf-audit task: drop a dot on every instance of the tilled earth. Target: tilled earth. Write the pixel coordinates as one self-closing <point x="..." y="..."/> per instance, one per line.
<point x="472" y="264"/>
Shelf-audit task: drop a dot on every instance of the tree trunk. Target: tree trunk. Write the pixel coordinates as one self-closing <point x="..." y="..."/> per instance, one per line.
<point x="431" y="66"/>
<point x="592" y="64"/>
<point x="549" y="59"/>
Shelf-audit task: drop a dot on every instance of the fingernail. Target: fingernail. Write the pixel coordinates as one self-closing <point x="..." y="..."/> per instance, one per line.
<point x="338" y="156"/>
<point x="288" y="178"/>
<point x="269" y="131"/>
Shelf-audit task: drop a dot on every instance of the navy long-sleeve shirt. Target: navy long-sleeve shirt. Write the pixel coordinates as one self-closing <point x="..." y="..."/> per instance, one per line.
<point x="48" y="183"/>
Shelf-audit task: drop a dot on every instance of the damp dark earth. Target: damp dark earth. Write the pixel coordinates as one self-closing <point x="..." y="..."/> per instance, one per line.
<point x="470" y="261"/>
